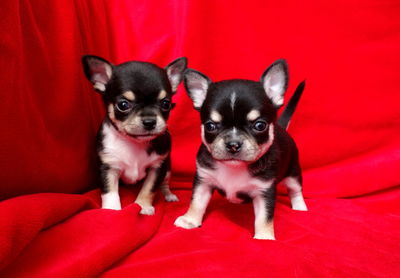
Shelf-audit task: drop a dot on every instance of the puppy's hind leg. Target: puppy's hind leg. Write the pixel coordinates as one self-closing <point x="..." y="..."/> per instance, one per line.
<point x="294" y="187"/>
<point x="169" y="196"/>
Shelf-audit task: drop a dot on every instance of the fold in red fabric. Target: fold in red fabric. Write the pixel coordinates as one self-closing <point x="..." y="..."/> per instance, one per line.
<point x="335" y="238"/>
<point x="59" y="235"/>
<point x="68" y="236"/>
<point x="346" y="127"/>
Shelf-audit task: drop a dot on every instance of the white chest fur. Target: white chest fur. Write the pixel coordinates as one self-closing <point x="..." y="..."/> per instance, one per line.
<point x="127" y="155"/>
<point x="233" y="178"/>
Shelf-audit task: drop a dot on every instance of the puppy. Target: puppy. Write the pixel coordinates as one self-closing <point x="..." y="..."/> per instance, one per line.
<point x="244" y="154"/>
<point x="133" y="142"/>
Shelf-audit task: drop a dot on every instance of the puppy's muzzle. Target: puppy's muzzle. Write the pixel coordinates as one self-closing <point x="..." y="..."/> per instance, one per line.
<point x="233" y="146"/>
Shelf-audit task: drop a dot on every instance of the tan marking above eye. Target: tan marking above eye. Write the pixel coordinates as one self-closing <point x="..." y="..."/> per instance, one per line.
<point x="162" y="94"/>
<point x="215" y="116"/>
<point x="253" y="115"/>
<point x="129" y="95"/>
<point x="111" y="114"/>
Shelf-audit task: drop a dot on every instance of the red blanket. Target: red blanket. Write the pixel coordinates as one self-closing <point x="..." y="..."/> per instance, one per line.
<point x="346" y="127"/>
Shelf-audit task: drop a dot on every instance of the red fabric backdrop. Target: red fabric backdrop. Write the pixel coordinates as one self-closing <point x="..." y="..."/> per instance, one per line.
<point x="346" y="127"/>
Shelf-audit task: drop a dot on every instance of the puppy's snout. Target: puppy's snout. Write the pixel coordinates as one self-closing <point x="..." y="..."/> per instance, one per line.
<point x="149" y="123"/>
<point x="233" y="146"/>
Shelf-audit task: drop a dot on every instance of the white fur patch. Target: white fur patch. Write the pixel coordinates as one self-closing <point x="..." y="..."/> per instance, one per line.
<point x="215" y="116"/>
<point x="253" y="115"/>
<point x="233" y="178"/>
<point x="128" y="155"/>
<point x="233" y="100"/>
<point x="110" y="200"/>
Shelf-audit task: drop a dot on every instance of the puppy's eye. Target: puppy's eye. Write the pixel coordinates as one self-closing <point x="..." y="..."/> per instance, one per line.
<point x="210" y="126"/>
<point x="124" y="105"/>
<point x="165" y="104"/>
<point x="260" y="125"/>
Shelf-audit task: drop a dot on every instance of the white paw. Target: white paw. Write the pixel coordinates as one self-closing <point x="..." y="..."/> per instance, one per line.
<point x="171" y="198"/>
<point x="186" y="222"/>
<point x="298" y="203"/>
<point x="110" y="201"/>
<point x="111" y="206"/>
<point x="264" y="236"/>
<point x="150" y="210"/>
<point x="300" y="207"/>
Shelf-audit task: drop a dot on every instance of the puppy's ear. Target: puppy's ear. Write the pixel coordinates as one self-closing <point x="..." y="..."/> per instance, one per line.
<point x="175" y="72"/>
<point x="98" y="71"/>
<point x="196" y="85"/>
<point x="275" y="81"/>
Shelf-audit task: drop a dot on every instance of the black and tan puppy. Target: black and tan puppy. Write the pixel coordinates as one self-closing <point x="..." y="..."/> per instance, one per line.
<point x="244" y="154"/>
<point x="133" y="142"/>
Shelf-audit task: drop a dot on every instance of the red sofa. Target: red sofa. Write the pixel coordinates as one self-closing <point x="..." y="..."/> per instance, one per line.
<point x="346" y="127"/>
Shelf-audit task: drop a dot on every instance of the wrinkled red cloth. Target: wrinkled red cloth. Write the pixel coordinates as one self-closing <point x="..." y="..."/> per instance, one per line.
<point x="346" y="127"/>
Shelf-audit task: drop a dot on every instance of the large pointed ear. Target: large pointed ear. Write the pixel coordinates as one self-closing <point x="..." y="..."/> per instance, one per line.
<point x="196" y="85"/>
<point x="98" y="71"/>
<point x="175" y="72"/>
<point x="275" y="81"/>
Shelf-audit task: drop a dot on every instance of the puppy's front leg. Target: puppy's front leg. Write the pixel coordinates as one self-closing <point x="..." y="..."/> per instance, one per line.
<point x="264" y="206"/>
<point x="110" y="197"/>
<point x="146" y="194"/>
<point x="200" y="198"/>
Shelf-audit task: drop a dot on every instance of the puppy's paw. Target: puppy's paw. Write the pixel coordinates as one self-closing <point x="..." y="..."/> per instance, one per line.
<point x="264" y="236"/>
<point x="171" y="198"/>
<point x="186" y="222"/>
<point x="149" y="210"/>
<point x="110" y="201"/>
<point x="301" y="207"/>
<point x="299" y="204"/>
<point x="111" y="206"/>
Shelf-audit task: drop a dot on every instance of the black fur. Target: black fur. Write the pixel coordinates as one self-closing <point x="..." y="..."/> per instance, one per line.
<point x="161" y="144"/>
<point x="270" y="196"/>
<point x="284" y="118"/>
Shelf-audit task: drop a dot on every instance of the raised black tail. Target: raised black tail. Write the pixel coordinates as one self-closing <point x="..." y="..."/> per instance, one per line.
<point x="285" y="117"/>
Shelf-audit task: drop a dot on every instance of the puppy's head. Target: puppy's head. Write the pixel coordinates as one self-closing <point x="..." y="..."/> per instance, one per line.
<point x="238" y="116"/>
<point x="137" y="94"/>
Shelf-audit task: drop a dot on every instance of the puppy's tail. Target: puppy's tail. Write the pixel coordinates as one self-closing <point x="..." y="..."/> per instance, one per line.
<point x="285" y="117"/>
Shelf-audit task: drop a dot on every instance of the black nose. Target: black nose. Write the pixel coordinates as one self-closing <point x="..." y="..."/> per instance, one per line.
<point x="233" y="146"/>
<point x="149" y="124"/>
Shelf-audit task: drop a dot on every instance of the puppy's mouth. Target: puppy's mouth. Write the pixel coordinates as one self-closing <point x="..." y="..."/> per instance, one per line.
<point x="233" y="162"/>
<point x="144" y="137"/>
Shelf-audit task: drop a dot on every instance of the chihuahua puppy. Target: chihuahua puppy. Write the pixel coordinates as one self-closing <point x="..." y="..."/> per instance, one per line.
<point x="244" y="153"/>
<point x="133" y="142"/>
